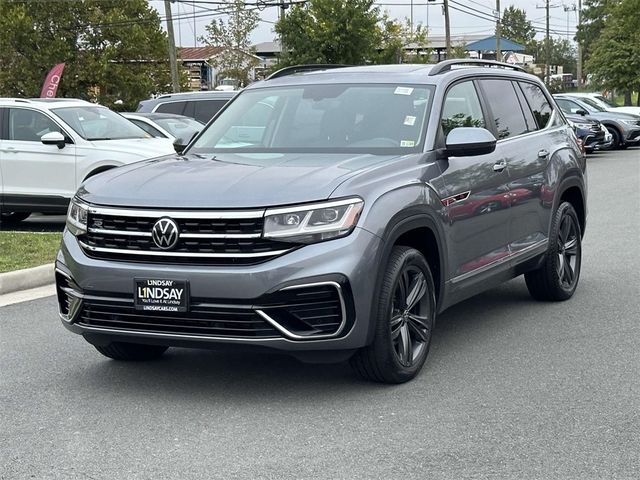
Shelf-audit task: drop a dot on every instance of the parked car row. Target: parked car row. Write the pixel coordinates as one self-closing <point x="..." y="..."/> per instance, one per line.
<point x="623" y="126"/>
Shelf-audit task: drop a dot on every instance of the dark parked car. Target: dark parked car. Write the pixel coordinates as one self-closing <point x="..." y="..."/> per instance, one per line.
<point x="314" y="217"/>
<point x="199" y="105"/>
<point x="592" y="134"/>
<point x="624" y="127"/>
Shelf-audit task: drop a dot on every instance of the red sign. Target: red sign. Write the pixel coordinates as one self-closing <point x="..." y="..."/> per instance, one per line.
<point x="50" y="86"/>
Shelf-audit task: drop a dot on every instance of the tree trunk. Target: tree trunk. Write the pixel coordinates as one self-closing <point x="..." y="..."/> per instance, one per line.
<point x="638" y="102"/>
<point x="627" y="98"/>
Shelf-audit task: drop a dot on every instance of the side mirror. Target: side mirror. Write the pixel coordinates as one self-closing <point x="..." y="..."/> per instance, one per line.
<point x="582" y="112"/>
<point x="470" y="141"/>
<point x="179" y="144"/>
<point x="53" y="138"/>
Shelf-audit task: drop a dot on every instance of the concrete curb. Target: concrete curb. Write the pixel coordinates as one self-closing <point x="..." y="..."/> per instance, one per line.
<point x="27" y="278"/>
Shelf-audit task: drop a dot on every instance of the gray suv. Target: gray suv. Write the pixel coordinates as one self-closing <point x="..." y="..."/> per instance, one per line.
<point x="201" y="106"/>
<point x="331" y="214"/>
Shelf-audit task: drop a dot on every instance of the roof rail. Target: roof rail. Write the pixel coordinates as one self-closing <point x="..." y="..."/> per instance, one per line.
<point x="448" y="65"/>
<point x="283" y="72"/>
<point x="17" y="100"/>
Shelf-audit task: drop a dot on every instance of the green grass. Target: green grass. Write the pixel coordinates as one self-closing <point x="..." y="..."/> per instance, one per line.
<point x="20" y="250"/>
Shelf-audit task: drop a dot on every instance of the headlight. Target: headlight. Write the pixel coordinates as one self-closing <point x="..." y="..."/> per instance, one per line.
<point x="77" y="217"/>
<point x="313" y="223"/>
<point x="584" y="126"/>
<point x="633" y="123"/>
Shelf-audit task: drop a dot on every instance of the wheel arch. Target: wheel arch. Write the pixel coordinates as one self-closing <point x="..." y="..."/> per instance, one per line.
<point x="571" y="190"/>
<point x="422" y="232"/>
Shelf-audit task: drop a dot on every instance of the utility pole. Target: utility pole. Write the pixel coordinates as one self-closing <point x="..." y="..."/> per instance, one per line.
<point x="498" y="51"/>
<point x="567" y="9"/>
<point x="547" y="53"/>
<point x="173" y="62"/>
<point x="579" y="62"/>
<point x="411" y="20"/>
<point x="447" y="27"/>
<point x="547" y="41"/>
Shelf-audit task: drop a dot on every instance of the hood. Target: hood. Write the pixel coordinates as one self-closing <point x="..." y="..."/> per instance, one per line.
<point x="581" y="119"/>
<point x="226" y="180"/>
<point x="631" y="110"/>
<point x="141" y="147"/>
<point x="611" y="115"/>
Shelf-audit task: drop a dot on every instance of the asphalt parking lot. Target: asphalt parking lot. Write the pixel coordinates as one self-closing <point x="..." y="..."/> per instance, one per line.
<point x="513" y="389"/>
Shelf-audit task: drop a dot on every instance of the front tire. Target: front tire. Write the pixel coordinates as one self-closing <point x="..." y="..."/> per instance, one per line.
<point x="557" y="278"/>
<point x="405" y="319"/>
<point x="131" y="351"/>
<point x="616" y="143"/>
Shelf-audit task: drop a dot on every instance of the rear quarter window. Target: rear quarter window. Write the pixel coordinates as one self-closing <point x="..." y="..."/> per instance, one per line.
<point x="538" y="103"/>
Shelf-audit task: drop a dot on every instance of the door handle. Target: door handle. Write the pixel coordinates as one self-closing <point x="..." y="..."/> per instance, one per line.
<point x="500" y="166"/>
<point x="543" y="154"/>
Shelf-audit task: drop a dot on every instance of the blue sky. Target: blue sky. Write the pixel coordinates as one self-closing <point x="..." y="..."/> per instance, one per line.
<point x="467" y="16"/>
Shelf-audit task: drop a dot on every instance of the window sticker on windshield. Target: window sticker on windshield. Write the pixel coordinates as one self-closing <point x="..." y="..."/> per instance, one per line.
<point x="403" y="91"/>
<point x="407" y="143"/>
<point x="410" y="120"/>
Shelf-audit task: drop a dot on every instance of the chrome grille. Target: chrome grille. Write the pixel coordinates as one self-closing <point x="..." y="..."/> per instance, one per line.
<point x="210" y="238"/>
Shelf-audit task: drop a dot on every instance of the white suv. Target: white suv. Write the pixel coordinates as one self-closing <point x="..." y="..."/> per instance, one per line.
<point x="48" y="147"/>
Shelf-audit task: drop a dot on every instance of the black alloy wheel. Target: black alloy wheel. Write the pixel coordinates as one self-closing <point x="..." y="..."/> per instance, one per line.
<point x="404" y="320"/>
<point x="567" y="251"/>
<point x="557" y="278"/>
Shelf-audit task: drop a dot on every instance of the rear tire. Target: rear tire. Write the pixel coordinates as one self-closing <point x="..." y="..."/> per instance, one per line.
<point x="404" y="323"/>
<point x="557" y="278"/>
<point x="131" y="351"/>
<point x="13" y="217"/>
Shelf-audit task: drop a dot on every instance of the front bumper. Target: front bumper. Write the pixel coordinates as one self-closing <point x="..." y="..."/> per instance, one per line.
<point x="633" y="136"/>
<point x="96" y="298"/>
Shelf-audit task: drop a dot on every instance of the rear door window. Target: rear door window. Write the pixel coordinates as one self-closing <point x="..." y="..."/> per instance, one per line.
<point x="507" y="114"/>
<point x="204" y="110"/>
<point x="171" y="107"/>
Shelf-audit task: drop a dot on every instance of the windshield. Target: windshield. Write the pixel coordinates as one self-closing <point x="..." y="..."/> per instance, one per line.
<point x="99" y="123"/>
<point x="183" y="128"/>
<point x="606" y="101"/>
<point x="379" y="119"/>
<point x="593" y="104"/>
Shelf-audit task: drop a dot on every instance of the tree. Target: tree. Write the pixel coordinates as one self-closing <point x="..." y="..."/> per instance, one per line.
<point x="330" y="31"/>
<point x="113" y="49"/>
<point x="233" y="37"/>
<point x="515" y="26"/>
<point x="615" y="58"/>
<point x="593" y="17"/>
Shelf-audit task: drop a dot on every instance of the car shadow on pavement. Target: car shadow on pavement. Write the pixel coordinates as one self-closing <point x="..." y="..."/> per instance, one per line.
<point x="37" y="222"/>
<point x="252" y="376"/>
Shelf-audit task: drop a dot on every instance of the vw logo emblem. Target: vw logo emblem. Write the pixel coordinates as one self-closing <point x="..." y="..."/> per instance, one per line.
<point x="165" y="233"/>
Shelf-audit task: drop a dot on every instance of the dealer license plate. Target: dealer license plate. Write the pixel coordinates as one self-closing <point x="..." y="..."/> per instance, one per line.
<point x="159" y="295"/>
